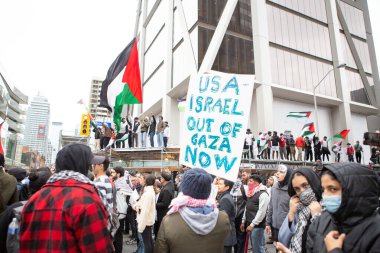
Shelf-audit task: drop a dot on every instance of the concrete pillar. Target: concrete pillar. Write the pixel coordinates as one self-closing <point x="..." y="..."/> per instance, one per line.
<point x="341" y="114"/>
<point x="262" y="103"/>
<point x="169" y="105"/>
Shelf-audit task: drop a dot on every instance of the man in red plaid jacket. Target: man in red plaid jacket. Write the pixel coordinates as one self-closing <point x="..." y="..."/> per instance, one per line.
<point x="67" y="214"/>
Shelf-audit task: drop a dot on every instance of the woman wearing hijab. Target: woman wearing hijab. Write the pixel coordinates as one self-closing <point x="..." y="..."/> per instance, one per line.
<point x="279" y="202"/>
<point x="351" y="222"/>
<point x="305" y="192"/>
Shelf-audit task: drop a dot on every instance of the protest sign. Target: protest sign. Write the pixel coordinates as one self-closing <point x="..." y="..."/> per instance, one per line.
<point x="216" y="117"/>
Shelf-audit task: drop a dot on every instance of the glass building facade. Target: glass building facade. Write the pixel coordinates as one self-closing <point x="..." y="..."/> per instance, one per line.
<point x="299" y="42"/>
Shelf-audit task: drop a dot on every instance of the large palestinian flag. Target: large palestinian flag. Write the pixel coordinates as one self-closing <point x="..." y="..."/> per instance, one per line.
<point x="123" y="83"/>
<point x="308" y="129"/>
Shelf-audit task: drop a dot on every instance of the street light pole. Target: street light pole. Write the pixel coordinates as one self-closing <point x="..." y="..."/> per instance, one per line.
<point x="315" y="98"/>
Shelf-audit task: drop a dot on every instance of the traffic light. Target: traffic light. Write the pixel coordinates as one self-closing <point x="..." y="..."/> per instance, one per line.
<point x="85" y="125"/>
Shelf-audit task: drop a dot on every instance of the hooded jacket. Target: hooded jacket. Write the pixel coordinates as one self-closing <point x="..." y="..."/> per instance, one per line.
<point x="288" y="229"/>
<point x="279" y="202"/>
<point x="357" y="216"/>
<point x="191" y="231"/>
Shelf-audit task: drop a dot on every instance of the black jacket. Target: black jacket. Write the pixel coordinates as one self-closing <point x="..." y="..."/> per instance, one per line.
<point x="357" y="216"/>
<point x="226" y="204"/>
<point x="152" y="126"/>
<point x="164" y="199"/>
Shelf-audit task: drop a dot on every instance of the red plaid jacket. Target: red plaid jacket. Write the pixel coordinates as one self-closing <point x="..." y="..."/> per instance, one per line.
<point x="65" y="216"/>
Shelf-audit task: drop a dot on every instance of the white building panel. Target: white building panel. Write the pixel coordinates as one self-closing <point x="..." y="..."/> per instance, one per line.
<point x="155" y="54"/>
<point x="154" y="89"/>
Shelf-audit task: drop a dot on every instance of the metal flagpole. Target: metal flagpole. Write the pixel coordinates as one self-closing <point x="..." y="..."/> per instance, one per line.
<point x="138" y="12"/>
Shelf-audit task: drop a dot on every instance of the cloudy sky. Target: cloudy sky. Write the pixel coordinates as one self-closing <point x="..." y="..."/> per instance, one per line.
<point x="56" y="47"/>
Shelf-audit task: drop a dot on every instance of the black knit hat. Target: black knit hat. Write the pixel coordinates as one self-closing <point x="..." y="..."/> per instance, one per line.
<point x="37" y="180"/>
<point x="196" y="183"/>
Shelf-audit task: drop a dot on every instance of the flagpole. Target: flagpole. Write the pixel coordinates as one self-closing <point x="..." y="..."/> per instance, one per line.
<point x="137" y="21"/>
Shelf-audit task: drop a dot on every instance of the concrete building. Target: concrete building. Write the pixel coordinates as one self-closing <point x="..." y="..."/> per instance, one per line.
<point x="13" y="105"/>
<point x="290" y="48"/>
<point x="98" y="113"/>
<point x="54" y="136"/>
<point x="37" y="125"/>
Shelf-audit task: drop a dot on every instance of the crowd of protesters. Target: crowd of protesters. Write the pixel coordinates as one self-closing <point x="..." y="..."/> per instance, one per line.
<point x="271" y="145"/>
<point x="86" y="206"/>
<point x="131" y="130"/>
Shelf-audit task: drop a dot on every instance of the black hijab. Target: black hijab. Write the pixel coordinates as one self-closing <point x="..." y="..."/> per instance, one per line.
<point x="313" y="180"/>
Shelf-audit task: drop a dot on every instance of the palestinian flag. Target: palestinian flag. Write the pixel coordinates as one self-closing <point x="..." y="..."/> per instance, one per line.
<point x="342" y="135"/>
<point x="123" y="83"/>
<point x="298" y="114"/>
<point x="308" y="129"/>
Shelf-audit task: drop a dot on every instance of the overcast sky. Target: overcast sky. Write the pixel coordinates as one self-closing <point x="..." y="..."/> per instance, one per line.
<point x="56" y="47"/>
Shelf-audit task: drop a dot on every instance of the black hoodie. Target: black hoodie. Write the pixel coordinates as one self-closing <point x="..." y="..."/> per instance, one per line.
<point x="357" y="216"/>
<point x="76" y="157"/>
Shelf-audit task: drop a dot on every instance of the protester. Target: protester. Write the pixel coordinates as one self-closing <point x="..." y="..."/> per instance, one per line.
<point x="164" y="199"/>
<point x="135" y="135"/>
<point x="292" y="147"/>
<point x="146" y="212"/>
<point x="226" y="204"/>
<point x="8" y="187"/>
<point x="166" y="134"/>
<point x="69" y="206"/>
<point x="102" y="181"/>
<point x="239" y="196"/>
<point x="279" y="202"/>
<point x="22" y="187"/>
<point x="317" y="148"/>
<point x="305" y="192"/>
<point x="270" y="182"/>
<point x="255" y="211"/>
<point x="308" y="149"/>
<point x="8" y="244"/>
<point x="358" y="152"/>
<point x="351" y="198"/>
<point x="98" y="136"/>
<point x="300" y="146"/>
<point x="107" y="134"/>
<point x="144" y="129"/>
<point x="249" y="139"/>
<point x="152" y="129"/>
<point x="275" y="142"/>
<point x="122" y="191"/>
<point x="283" y="155"/>
<point x="123" y="131"/>
<point x="350" y="152"/>
<point x="191" y="225"/>
<point x="160" y="131"/>
<point x="268" y="138"/>
<point x="325" y="148"/>
<point x="337" y="149"/>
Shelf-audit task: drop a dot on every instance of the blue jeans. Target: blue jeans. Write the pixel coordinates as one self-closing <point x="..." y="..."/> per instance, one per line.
<point x="151" y="138"/>
<point x="140" y="246"/>
<point x="160" y="140"/>
<point x="257" y="237"/>
<point x="143" y="139"/>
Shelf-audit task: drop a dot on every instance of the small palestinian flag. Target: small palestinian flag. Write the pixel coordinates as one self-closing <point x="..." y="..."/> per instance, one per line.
<point x="298" y="114"/>
<point x="308" y="129"/>
<point x="342" y="135"/>
<point x="123" y="83"/>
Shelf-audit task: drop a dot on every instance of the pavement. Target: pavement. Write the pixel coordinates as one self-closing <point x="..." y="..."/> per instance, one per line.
<point x="132" y="248"/>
